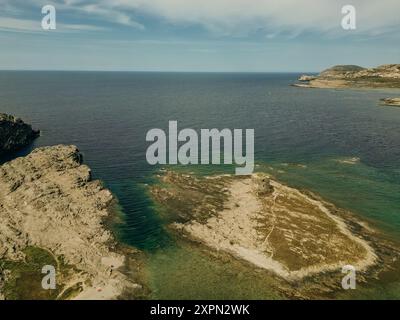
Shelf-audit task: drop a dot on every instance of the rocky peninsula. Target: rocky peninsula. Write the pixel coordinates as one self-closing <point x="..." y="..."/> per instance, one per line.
<point x="351" y="76"/>
<point x="286" y="232"/>
<point x="14" y="134"/>
<point x="52" y="212"/>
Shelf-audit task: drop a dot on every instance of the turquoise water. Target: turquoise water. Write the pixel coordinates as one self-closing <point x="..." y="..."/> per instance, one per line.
<point x="372" y="192"/>
<point x="107" y="115"/>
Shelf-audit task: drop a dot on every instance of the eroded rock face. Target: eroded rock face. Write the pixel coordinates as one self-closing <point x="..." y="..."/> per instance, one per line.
<point x="48" y="200"/>
<point x="14" y="133"/>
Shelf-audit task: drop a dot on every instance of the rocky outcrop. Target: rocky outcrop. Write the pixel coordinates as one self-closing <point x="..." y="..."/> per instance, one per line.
<point x="351" y="76"/>
<point x="294" y="235"/>
<point x="341" y="71"/>
<point x="307" y="78"/>
<point x="14" y="133"/>
<point x="266" y="223"/>
<point x="394" y="102"/>
<point x="48" y="200"/>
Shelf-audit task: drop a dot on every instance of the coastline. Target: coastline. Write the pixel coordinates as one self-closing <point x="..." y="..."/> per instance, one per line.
<point x="50" y="202"/>
<point x="355" y="77"/>
<point x="350" y="161"/>
<point x="235" y="231"/>
<point x="392" y="102"/>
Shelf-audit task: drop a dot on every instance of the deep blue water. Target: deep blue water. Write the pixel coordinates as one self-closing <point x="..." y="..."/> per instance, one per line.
<point x="107" y="115"/>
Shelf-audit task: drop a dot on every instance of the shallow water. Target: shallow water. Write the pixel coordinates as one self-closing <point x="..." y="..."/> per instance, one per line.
<point x="107" y="115"/>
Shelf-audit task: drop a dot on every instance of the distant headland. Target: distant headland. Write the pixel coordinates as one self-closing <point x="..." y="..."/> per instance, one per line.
<point x="386" y="76"/>
<point x="351" y="76"/>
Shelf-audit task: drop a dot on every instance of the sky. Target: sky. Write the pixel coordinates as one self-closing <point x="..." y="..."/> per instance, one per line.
<point x="198" y="35"/>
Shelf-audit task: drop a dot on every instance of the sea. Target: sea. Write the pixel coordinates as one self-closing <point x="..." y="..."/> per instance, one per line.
<point x="339" y="143"/>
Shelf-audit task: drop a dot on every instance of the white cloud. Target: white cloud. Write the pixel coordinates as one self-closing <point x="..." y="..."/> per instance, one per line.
<point x="32" y="26"/>
<point x="110" y="14"/>
<point x="271" y="16"/>
<point x="12" y="24"/>
<point x="241" y="17"/>
<point x="16" y="9"/>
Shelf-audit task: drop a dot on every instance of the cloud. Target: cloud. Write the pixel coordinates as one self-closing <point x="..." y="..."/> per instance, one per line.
<point x="109" y="14"/>
<point x="12" y="24"/>
<point x="83" y="10"/>
<point x="33" y="26"/>
<point x="246" y="16"/>
<point x="239" y="17"/>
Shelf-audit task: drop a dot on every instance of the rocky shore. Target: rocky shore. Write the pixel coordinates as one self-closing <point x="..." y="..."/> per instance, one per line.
<point x="351" y="76"/>
<point x="14" y="134"/>
<point x="49" y="203"/>
<point x="295" y="235"/>
<point x="394" y="102"/>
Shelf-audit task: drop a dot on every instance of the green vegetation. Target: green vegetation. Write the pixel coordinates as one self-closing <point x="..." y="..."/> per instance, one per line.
<point x="345" y="68"/>
<point x="24" y="278"/>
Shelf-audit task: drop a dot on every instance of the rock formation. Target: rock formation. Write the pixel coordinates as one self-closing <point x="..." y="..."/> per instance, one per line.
<point x="49" y="201"/>
<point x="307" y="78"/>
<point x="394" y="102"/>
<point x="350" y="76"/>
<point x="292" y="234"/>
<point x="14" y="133"/>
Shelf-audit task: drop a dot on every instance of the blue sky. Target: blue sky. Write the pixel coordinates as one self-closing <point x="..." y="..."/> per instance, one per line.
<point x="197" y="35"/>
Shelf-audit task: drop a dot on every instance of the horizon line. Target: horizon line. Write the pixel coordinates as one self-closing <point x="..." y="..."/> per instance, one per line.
<point x="147" y="71"/>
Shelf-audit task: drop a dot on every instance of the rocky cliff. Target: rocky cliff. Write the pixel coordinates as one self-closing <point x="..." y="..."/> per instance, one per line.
<point x="14" y="133"/>
<point x="49" y="202"/>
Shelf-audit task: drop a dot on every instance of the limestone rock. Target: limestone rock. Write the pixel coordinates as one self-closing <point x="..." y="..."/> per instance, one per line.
<point x="48" y="200"/>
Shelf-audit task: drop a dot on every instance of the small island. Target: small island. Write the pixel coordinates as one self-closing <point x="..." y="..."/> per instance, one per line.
<point x="290" y="233"/>
<point x="394" y="102"/>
